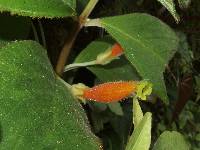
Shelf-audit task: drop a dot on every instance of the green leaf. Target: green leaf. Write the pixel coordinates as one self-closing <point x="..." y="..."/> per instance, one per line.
<point x="122" y="124"/>
<point x="13" y="28"/>
<point x="36" y="110"/>
<point x="137" y="112"/>
<point x="197" y="137"/>
<point x="39" y="8"/>
<point x="184" y="4"/>
<point x="169" y="4"/>
<point x="116" y="108"/>
<point x="141" y="136"/>
<point x="119" y="69"/>
<point x="171" y="140"/>
<point x="197" y="87"/>
<point x="149" y="44"/>
<point x="3" y="42"/>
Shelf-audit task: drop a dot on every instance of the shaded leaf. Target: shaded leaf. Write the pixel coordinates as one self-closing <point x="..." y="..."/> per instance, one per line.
<point x="197" y="137"/>
<point x="148" y="44"/>
<point x="141" y="136"/>
<point x="39" y="8"/>
<point x="169" y="4"/>
<point x="3" y="43"/>
<point x="97" y="107"/>
<point x="116" y="108"/>
<point x="36" y="110"/>
<point x="184" y="4"/>
<point x="171" y="140"/>
<point x="13" y="28"/>
<point x="197" y="87"/>
<point x="122" y="124"/>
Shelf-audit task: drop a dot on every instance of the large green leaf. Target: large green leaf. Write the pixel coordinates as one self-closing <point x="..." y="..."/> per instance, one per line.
<point x="148" y="44"/>
<point x="141" y="136"/>
<point x="171" y="141"/>
<point x="119" y="69"/>
<point x="39" y="8"/>
<point x="169" y="4"/>
<point x="37" y="110"/>
<point x="13" y="28"/>
<point x="137" y="112"/>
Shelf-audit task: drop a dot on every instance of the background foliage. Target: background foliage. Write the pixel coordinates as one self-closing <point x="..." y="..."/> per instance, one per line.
<point x="50" y="23"/>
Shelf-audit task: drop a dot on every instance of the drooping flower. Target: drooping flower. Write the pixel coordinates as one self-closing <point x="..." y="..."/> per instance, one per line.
<point x="111" y="91"/>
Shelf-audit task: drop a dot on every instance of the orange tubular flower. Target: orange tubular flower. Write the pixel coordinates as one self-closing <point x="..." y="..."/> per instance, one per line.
<point x="117" y="50"/>
<point x="111" y="91"/>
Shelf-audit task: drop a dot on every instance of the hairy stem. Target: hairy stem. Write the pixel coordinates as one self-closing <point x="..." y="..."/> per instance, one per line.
<point x="77" y="65"/>
<point x="42" y="34"/>
<point x="93" y="22"/>
<point x="66" y="50"/>
<point x="88" y="9"/>
<point x="35" y="32"/>
<point x="69" y="43"/>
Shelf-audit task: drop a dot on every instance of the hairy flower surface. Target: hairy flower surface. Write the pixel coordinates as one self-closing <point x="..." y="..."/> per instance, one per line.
<point x="117" y="50"/>
<point x="111" y="91"/>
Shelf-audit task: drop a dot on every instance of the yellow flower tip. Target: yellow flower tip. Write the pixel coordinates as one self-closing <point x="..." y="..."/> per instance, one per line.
<point x="104" y="58"/>
<point x="144" y="89"/>
<point x="77" y="91"/>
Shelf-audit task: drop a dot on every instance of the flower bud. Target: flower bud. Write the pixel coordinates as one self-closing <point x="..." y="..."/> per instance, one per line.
<point x="78" y="91"/>
<point x="112" y="53"/>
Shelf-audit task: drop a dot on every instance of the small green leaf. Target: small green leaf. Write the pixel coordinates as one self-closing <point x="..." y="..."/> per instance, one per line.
<point x="37" y="111"/>
<point x="169" y="4"/>
<point x="116" y="108"/>
<point x="97" y="107"/>
<point x="137" y="112"/>
<point x="119" y="69"/>
<point x="141" y="136"/>
<point x="39" y="8"/>
<point x="148" y="43"/>
<point x="197" y="137"/>
<point x="197" y="88"/>
<point x="184" y="4"/>
<point x="171" y="141"/>
<point x="13" y="28"/>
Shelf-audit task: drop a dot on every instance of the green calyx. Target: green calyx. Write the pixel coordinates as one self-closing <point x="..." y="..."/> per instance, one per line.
<point x="144" y="89"/>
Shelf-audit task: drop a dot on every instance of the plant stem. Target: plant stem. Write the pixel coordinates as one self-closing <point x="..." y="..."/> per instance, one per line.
<point x="88" y="9"/>
<point x="42" y="34"/>
<point x="66" y="50"/>
<point x="69" y="43"/>
<point x="77" y="65"/>
<point x="35" y="32"/>
<point x="93" y="22"/>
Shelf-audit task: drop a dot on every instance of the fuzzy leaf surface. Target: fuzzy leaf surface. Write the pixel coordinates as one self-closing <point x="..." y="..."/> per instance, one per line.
<point x="37" y="111"/>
